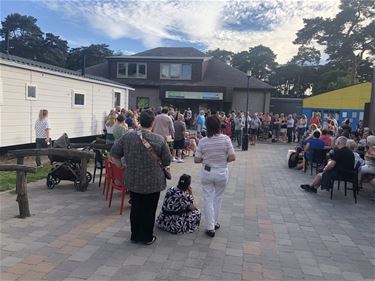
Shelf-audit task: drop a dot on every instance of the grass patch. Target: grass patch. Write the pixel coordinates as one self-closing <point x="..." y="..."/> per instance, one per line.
<point x="8" y="179"/>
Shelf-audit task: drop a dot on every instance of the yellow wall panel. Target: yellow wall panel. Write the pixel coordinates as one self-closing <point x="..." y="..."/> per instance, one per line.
<point x="352" y="97"/>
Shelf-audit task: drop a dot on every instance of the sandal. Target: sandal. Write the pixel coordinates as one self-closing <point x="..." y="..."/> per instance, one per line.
<point x="151" y="242"/>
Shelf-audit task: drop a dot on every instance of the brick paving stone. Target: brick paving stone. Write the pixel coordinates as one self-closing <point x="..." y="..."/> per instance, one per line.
<point x="33" y="276"/>
<point x="34" y="259"/>
<point x="10" y="261"/>
<point x="135" y="260"/>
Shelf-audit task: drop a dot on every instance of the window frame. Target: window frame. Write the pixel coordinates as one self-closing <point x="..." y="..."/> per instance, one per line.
<point x="27" y="85"/>
<point x="126" y="64"/>
<point x="181" y="65"/>
<point x="74" y="92"/>
<point x="114" y="98"/>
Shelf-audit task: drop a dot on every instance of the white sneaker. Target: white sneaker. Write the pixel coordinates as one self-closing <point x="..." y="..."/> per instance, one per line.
<point x="180" y="161"/>
<point x="174" y="159"/>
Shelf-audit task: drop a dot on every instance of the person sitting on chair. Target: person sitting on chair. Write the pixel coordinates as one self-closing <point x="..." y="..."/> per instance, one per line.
<point x="313" y="143"/>
<point x="179" y="214"/>
<point x="342" y="160"/>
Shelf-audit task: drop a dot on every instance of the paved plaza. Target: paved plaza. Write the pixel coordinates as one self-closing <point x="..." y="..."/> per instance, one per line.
<point x="270" y="230"/>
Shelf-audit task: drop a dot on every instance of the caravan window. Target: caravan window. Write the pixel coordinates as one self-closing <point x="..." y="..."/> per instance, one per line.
<point x="78" y="99"/>
<point x="117" y="99"/>
<point x="31" y="92"/>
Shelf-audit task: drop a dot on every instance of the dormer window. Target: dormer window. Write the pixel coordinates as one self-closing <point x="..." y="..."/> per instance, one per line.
<point x="131" y="70"/>
<point x="175" y="71"/>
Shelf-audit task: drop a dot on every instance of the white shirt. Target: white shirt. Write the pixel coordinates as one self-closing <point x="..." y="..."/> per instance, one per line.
<point x="109" y="129"/>
<point x="290" y="123"/>
<point x="40" y="128"/>
<point x="215" y="150"/>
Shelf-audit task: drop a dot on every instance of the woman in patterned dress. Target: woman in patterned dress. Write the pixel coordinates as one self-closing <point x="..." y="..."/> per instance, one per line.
<point x="179" y="214"/>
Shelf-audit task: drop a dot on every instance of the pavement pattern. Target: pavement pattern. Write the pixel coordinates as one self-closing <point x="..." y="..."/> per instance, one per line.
<point x="270" y="230"/>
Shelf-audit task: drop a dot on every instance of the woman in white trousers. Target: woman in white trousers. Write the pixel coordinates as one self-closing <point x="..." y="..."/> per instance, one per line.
<point x="214" y="152"/>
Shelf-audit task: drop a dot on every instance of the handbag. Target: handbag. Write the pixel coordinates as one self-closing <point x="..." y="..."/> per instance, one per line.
<point x="147" y="145"/>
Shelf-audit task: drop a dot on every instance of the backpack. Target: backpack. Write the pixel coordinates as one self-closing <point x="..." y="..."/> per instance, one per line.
<point x="293" y="160"/>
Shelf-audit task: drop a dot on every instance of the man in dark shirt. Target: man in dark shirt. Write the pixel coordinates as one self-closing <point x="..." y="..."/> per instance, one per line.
<point x="342" y="160"/>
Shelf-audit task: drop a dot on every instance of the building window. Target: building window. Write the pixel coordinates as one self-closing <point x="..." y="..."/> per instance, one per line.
<point x="78" y="99"/>
<point x="30" y="92"/>
<point x="175" y="71"/>
<point x="143" y="102"/>
<point x="117" y="99"/>
<point x="131" y="70"/>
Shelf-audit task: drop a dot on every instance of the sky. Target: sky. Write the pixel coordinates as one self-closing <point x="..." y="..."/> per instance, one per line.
<point x="134" y="26"/>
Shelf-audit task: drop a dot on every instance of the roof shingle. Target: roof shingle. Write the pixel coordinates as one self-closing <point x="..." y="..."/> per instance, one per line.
<point x="172" y="52"/>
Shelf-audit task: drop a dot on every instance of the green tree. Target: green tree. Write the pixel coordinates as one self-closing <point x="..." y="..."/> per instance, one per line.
<point x="223" y="55"/>
<point x="259" y="59"/>
<point x="347" y="37"/>
<point x="25" y="37"/>
<point x="305" y="55"/>
<point x="55" y="50"/>
<point x="95" y="53"/>
<point x="292" y="80"/>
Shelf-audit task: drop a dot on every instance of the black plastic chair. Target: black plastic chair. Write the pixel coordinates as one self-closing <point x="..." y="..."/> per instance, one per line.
<point x="346" y="176"/>
<point x="99" y="164"/>
<point x="318" y="158"/>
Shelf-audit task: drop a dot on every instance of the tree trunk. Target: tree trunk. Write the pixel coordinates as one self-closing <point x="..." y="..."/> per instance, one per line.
<point x="354" y="69"/>
<point x="22" y="198"/>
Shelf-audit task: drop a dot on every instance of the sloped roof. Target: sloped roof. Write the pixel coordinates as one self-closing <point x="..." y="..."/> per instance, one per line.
<point x="218" y="73"/>
<point x="172" y="52"/>
<point x="45" y="66"/>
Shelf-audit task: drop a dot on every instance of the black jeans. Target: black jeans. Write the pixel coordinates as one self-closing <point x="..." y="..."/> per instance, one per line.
<point x="289" y="132"/>
<point x="238" y="134"/>
<point x="40" y="143"/>
<point x="142" y="215"/>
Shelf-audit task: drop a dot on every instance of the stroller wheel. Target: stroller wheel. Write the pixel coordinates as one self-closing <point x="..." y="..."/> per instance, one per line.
<point x="77" y="184"/>
<point x="50" y="183"/>
<point x="88" y="176"/>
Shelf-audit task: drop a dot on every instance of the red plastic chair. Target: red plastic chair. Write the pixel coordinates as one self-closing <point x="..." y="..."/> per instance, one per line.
<point x="118" y="184"/>
<point x="107" y="178"/>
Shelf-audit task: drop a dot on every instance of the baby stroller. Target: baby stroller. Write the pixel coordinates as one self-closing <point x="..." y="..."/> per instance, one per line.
<point x="68" y="169"/>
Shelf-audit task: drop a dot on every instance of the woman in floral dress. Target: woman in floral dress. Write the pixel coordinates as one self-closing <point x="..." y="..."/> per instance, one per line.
<point x="179" y="214"/>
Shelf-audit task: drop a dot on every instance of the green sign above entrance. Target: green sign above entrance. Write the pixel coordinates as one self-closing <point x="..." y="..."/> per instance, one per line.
<point x="193" y="95"/>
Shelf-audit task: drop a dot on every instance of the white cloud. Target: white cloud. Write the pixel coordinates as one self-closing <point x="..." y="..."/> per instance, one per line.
<point x="211" y="23"/>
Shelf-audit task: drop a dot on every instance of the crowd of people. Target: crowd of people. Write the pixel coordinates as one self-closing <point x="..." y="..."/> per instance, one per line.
<point x="145" y="142"/>
<point x="146" y="149"/>
<point x="347" y="150"/>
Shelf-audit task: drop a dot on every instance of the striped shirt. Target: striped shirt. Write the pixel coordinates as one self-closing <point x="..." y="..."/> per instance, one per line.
<point x="215" y="150"/>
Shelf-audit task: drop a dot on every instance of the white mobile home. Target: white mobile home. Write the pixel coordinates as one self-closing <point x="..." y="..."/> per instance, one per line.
<point x="77" y="104"/>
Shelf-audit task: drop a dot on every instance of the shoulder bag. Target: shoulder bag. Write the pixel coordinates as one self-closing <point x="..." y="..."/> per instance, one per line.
<point x="147" y="145"/>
